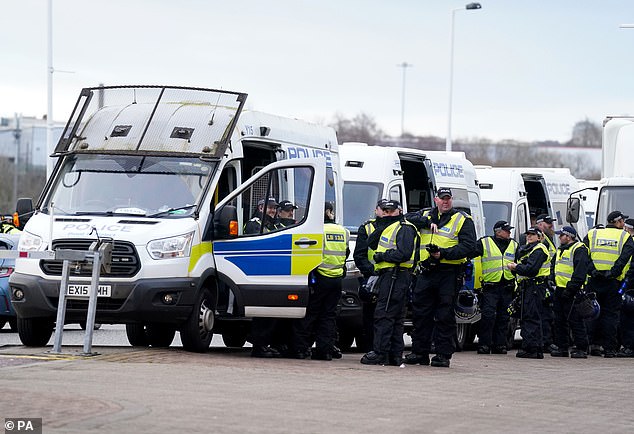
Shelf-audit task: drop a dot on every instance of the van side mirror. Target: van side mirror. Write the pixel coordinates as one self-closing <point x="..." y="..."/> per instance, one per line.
<point x="226" y="223"/>
<point x="24" y="210"/>
<point x="572" y="209"/>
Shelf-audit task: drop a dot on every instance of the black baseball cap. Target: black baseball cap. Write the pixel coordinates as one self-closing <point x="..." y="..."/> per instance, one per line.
<point x="391" y="204"/>
<point x="615" y="216"/>
<point x="443" y="192"/>
<point x="287" y="205"/>
<point x="502" y="225"/>
<point x="533" y="230"/>
<point x="567" y="230"/>
<point x="629" y="223"/>
<point x="544" y="218"/>
<point x="270" y="202"/>
<point x="380" y="203"/>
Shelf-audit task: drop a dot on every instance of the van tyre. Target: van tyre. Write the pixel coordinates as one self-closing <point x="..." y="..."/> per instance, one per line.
<point x="136" y="335"/>
<point x="160" y="335"/>
<point x="35" y="332"/>
<point x="196" y="333"/>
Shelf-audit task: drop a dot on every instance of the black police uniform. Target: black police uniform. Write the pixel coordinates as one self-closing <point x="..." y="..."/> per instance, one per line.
<point x="566" y="318"/>
<point x="366" y="268"/>
<point x="435" y="293"/>
<point x="494" y="303"/>
<point x="533" y="288"/>
<point x="392" y="284"/>
<point x="604" y="330"/>
<point x="547" y="313"/>
<point x="627" y="319"/>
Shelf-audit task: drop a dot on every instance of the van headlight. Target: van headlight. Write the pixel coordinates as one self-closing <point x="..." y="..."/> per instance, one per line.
<point x="29" y="242"/>
<point x="173" y="247"/>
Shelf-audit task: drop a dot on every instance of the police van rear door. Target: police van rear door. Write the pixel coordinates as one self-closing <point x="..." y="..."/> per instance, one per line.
<point x="267" y="270"/>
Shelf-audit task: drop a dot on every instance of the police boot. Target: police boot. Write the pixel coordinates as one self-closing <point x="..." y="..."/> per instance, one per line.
<point x="417" y="359"/>
<point x="625" y="352"/>
<point x="373" y="358"/>
<point x="440" y="361"/>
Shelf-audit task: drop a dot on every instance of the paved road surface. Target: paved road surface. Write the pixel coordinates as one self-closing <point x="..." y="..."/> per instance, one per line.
<point x="127" y="389"/>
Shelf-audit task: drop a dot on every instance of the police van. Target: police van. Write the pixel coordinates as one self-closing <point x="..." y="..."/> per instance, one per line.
<point x="520" y="194"/>
<point x="172" y="175"/>
<point x="412" y="177"/>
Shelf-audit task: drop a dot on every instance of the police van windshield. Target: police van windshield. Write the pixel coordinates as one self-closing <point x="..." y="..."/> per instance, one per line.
<point x="614" y="199"/>
<point x="359" y="203"/>
<point x="129" y="185"/>
<point x="495" y="211"/>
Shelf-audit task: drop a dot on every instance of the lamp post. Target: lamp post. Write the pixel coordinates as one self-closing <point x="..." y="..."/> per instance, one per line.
<point x="470" y="6"/>
<point x="403" y="65"/>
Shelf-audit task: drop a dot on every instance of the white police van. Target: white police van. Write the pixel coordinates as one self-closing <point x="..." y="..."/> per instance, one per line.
<point x="412" y="177"/>
<point x="173" y="174"/>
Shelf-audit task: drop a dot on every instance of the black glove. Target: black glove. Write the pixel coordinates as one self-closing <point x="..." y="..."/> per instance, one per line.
<point x="378" y="257"/>
<point x="600" y="274"/>
<point x="568" y="293"/>
<point x="433" y="248"/>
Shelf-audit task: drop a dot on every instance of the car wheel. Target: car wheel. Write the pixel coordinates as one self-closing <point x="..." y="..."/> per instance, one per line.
<point x="35" y="332"/>
<point x="196" y="333"/>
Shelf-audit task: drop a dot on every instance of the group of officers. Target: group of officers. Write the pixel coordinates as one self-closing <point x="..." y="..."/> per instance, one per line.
<point x="421" y="257"/>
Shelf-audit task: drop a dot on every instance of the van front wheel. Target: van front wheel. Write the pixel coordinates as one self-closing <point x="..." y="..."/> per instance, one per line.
<point x="196" y="333"/>
<point x="35" y="332"/>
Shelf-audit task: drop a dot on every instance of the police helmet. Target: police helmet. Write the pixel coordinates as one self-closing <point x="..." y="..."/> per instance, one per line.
<point x="587" y="306"/>
<point x="628" y="301"/>
<point x="466" y="303"/>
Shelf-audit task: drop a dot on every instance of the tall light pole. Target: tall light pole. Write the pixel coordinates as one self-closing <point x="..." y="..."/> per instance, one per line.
<point x="403" y="65"/>
<point x="49" y="87"/>
<point x="470" y="6"/>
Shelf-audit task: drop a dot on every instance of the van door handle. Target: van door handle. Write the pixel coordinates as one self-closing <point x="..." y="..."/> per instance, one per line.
<point x="305" y="242"/>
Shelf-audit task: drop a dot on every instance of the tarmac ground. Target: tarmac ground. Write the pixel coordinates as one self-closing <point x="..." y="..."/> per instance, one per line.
<point x="129" y="389"/>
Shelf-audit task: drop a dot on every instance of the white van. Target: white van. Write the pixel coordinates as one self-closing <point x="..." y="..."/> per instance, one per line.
<point x="410" y="176"/>
<point x="172" y="175"/>
<point x="519" y="194"/>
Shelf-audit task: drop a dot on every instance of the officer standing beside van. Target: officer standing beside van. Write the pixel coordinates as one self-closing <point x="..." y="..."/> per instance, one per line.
<point x="532" y="269"/>
<point x="610" y="249"/>
<point x="498" y="285"/>
<point x="448" y="238"/>
<point x="627" y="309"/>
<point x="395" y="253"/>
<point x="569" y="271"/>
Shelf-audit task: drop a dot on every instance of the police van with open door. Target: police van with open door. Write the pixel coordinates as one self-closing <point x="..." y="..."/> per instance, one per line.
<point x="172" y="175"/>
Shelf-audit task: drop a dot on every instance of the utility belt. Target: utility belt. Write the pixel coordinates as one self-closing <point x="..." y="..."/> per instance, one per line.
<point x="391" y="270"/>
<point x="428" y="266"/>
<point x="500" y="284"/>
<point x="532" y="281"/>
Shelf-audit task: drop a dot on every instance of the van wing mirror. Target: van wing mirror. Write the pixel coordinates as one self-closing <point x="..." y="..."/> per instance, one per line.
<point x="226" y="223"/>
<point x="572" y="209"/>
<point x="24" y="210"/>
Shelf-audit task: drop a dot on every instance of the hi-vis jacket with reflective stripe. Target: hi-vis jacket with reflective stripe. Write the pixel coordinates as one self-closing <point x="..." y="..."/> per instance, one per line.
<point x="552" y="250"/>
<point x="494" y="262"/>
<point x="446" y="237"/>
<point x="335" y="247"/>
<point x="388" y="242"/>
<point x="565" y="267"/>
<point x="526" y="265"/>
<point x="363" y="255"/>
<point x="605" y="246"/>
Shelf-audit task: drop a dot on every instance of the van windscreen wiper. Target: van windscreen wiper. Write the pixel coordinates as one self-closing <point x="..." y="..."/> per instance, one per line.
<point x="171" y="210"/>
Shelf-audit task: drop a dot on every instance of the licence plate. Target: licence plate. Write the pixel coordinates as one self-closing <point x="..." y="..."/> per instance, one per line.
<point x="84" y="291"/>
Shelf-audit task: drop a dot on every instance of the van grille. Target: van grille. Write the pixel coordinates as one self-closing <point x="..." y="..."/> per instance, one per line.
<point x="102" y="303"/>
<point x="125" y="261"/>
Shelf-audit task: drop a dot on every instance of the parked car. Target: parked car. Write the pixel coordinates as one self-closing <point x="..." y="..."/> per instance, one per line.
<point x="7" y="314"/>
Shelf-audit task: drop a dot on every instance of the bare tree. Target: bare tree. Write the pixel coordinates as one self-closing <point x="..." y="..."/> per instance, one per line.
<point x="586" y="134"/>
<point x="361" y="128"/>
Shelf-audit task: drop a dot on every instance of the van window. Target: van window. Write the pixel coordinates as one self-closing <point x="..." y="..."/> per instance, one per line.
<point x="395" y="193"/>
<point x="522" y="213"/>
<point x="495" y="211"/>
<point x="257" y="206"/>
<point x="359" y="203"/>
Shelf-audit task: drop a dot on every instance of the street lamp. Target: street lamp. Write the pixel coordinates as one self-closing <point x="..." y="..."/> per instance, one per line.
<point x="403" y="65"/>
<point x="470" y="6"/>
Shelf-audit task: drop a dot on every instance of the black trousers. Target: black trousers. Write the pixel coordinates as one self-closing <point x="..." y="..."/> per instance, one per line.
<point x="627" y="329"/>
<point x="531" y="321"/>
<point x="320" y="321"/>
<point x="494" y="322"/>
<point x="567" y="320"/>
<point x="604" y="329"/>
<point x="389" y="313"/>
<point x="548" y="319"/>
<point x="433" y="308"/>
<point x="368" y="326"/>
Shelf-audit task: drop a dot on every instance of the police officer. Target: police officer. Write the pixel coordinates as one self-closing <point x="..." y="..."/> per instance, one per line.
<point x="325" y="290"/>
<point x="286" y="213"/>
<point x="569" y="271"/>
<point x="498" y="285"/>
<point x="531" y="268"/>
<point x="546" y="224"/>
<point x="395" y="253"/>
<point x="610" y="251"/>
<point x="8" y="228"/>
<point x="265" y="221"/>
<point x="448" y="238"/>
<point x="364" y="260"/>
<point x="627" y="316"/>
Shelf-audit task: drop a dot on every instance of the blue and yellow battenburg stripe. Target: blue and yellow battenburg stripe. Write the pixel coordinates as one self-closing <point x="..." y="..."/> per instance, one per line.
<point x="276" y="256"/>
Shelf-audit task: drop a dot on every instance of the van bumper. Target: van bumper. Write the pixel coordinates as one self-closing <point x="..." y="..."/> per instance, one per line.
<point x="138" y="301"/>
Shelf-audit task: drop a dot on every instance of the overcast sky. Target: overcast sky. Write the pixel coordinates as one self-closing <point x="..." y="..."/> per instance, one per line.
<point x="524" y="69"/>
